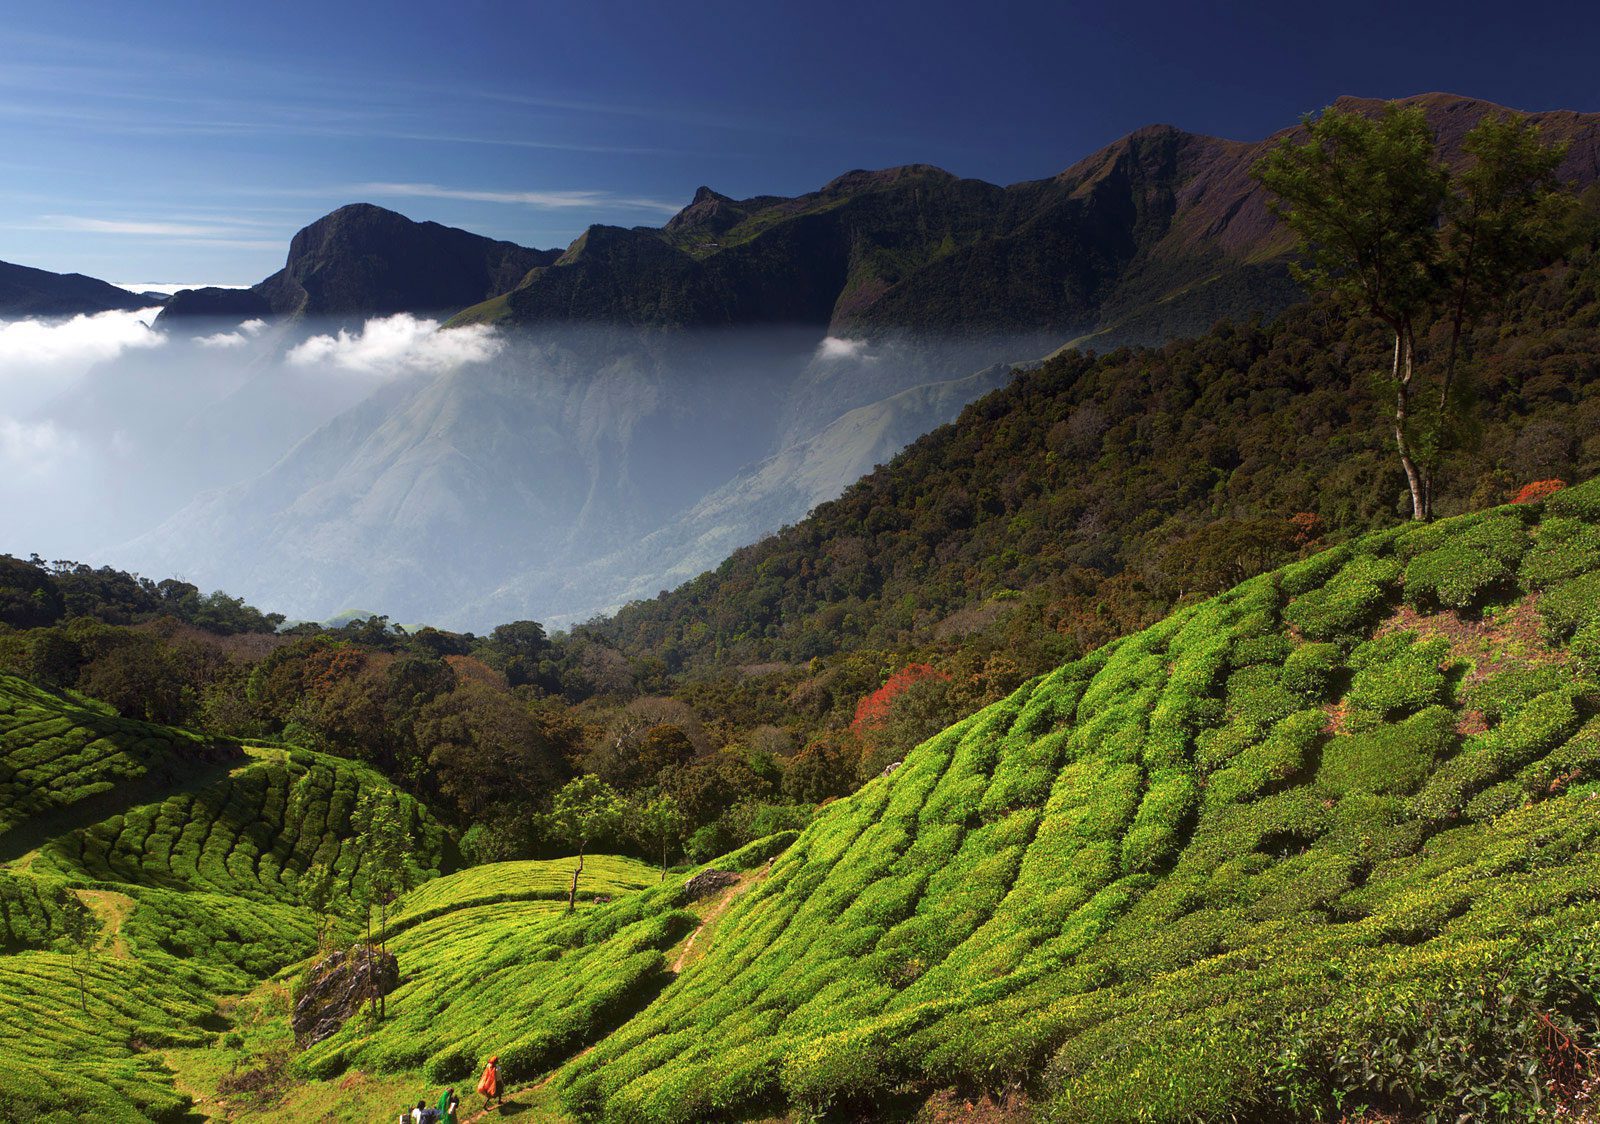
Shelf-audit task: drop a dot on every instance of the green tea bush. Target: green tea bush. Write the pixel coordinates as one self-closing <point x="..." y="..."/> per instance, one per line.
<point x="1565" y="549"/>
<point x="1388" y="759"/>
<point x="1454" y="577"/>
<point x="1388" y="689"/>
<point x="1310" y="671"/>
<point x="1579" y="502"/>
<point x="1570" y="605"/>
<point x="1350" y="603"/>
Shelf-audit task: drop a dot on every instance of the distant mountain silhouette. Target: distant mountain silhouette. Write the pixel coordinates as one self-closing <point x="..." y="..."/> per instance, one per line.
<point x="26" y="292"/>
<point x="363" y="260"/>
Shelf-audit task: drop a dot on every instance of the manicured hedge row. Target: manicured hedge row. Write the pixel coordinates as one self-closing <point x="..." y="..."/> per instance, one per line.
<point x="58" y="750"/>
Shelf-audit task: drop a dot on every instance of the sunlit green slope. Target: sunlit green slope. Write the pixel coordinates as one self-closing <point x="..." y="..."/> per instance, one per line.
<point x="493" y="964"/>
<point x="1328" y="838"/>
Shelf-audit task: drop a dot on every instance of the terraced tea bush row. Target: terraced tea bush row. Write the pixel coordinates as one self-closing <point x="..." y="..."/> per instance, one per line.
<point x="532" y="880"/>
<point x="60" y="1062"/>
<point x="56" y="751"/>
<point x="249" y="834"/>
<point x="1129" y="882"/>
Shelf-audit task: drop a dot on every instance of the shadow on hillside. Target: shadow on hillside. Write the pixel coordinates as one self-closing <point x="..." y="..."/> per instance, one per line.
<point x="168" y="775"/>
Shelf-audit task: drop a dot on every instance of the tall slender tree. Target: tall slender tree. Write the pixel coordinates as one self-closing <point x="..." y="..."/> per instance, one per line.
<point x="585" y="810"/>
<point x="387" y="867"/>
<point x="82" y="930"/>
<point x="1385" y="225"/>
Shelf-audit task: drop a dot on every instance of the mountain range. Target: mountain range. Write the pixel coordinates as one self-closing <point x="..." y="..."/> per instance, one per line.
<point x="664" y="394"/>
<point x="363" y="260"/>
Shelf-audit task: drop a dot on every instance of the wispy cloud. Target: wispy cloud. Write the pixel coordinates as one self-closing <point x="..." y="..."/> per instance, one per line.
<point x="236" y="338"/>
<point x="399" y="345"/>
<point x="26" y="345"/>
<point x="182" y="233"/>
<point x="170" y="287"/>
<point x="551" y="200"/>
<point x="121" y="226"/>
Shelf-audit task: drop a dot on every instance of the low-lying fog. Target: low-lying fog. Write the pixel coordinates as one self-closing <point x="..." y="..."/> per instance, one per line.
<point x="460" y="477"/>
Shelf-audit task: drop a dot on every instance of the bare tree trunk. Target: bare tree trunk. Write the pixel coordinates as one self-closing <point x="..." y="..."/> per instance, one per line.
<point x="572" y="895"/>
<point x="663" y="858"/>
<point x="1402" y="402"/>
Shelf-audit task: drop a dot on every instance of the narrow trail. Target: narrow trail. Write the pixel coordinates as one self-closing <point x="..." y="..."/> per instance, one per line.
<point x="112" y="909"/>
<point x="714" y="914"/>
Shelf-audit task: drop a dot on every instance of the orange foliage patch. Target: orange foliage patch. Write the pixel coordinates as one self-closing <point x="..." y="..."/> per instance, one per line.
<point x="873" y="710"/>
<point x="1538" y="490"/>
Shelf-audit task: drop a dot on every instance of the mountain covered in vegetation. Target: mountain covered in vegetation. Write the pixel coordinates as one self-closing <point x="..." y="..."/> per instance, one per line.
<point x="1090" y="495"/>
<point x="1157" y="235"/>
<point x="26" y="293"/>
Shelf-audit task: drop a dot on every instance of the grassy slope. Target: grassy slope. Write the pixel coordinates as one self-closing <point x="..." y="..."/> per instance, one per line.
<point x="196" y="888"/>
<point x="489" y="973"/>
<point x="1206" y="870"/>
<point x="490" y="964"/>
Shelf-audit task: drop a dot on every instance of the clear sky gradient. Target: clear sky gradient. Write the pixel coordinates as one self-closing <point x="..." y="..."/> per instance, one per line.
<point x="184" y="142"/>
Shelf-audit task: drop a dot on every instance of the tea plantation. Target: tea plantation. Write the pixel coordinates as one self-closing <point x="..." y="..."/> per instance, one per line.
<point x="1321" y="845"/>
<point x="1327" y="840"/>
<point x="494" y="964"/>
<point x="56" y="752"/>
<point x="196" y="894"/>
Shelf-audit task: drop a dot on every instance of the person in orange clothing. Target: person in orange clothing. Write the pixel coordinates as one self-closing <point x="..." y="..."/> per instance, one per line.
<point x="489" y="1083"/>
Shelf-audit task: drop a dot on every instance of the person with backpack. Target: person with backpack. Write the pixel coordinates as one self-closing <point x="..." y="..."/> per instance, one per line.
<point x="489" y="1083"/>
<point x="422" y="1114"/>
<point x="449" y="1105"/>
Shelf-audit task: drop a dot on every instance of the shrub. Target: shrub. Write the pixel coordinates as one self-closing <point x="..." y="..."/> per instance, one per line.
<point x="1580" y="502"/>
<point x="1349" y="603"/>
<point x="1565" y="549"/>
<point x="1454" y="577"/>
<point x="1310" y="669"/>
<point x="1570" y="605"/>
<point x="1389" y="759"/>
<point x="1538" y="491"/>
<point x="1393" y="688"/>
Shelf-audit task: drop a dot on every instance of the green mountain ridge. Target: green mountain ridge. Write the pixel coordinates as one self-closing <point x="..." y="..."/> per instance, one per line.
<point x="1152" y="237"/>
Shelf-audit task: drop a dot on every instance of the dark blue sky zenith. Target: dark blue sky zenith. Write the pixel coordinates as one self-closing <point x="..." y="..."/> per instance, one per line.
<point x="183" y="142"/>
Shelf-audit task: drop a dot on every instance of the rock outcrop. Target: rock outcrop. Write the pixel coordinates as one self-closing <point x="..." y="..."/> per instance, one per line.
<point x="336" y="986"/>
<point x="709" y="882"/>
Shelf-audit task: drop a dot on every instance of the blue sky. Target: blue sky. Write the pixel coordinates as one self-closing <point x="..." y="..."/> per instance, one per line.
<point x="185" y="142"/>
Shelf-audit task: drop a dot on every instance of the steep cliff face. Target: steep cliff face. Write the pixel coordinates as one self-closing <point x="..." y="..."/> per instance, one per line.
<point x="363" y="260"/>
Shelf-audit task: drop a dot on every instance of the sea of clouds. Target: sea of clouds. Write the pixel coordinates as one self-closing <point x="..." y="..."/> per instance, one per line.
<point x="107" y="424"/>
